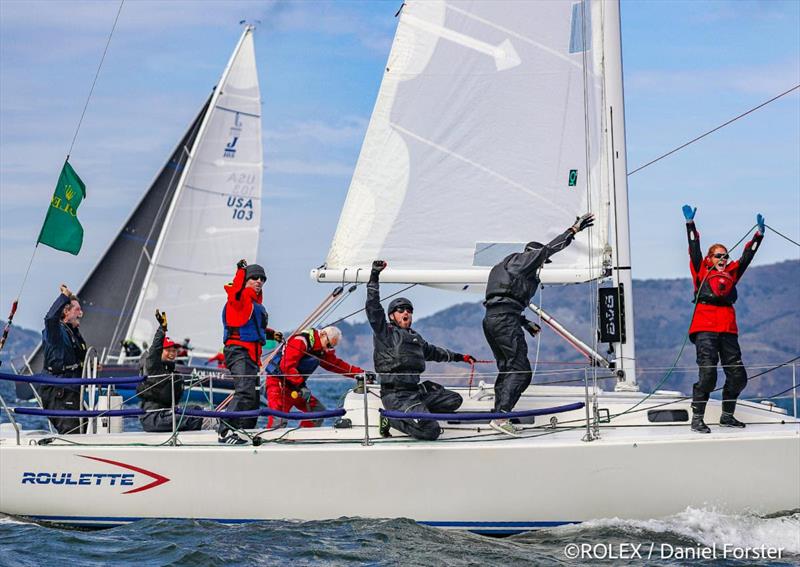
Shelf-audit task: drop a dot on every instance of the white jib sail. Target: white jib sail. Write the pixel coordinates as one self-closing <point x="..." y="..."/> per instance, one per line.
<point x="215" y="216"/>
<point x="488" y="132"/>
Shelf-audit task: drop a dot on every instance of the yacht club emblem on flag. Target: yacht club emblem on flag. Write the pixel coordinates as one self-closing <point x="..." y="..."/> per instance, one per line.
<point x="61" y="229"/>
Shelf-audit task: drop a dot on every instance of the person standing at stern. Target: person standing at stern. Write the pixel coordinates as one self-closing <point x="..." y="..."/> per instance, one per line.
<point x="713" y="330"/>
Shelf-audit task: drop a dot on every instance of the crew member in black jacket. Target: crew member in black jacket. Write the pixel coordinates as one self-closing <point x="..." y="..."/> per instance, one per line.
<point x="158" y="391"/>
<point x="509" y="290"/>
<point x="64" y="353"/>
<point x="399" y="356"/>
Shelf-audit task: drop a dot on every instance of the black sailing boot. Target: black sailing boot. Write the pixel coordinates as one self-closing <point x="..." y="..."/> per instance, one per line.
<point x="698" y="424"/>
<point x="384" y="427"/>
<point x="727" y="420"/>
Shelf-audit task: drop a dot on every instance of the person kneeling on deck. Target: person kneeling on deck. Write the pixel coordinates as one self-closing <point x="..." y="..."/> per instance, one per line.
<point x="64" y="354"/>
<point x="245" y="333"/>
<point x="509" y="290"/>
<point x="289" y="370"/>
<point x="400" y="354"/>
<point x="161" y="390"/>
<point x="713" y="330"/>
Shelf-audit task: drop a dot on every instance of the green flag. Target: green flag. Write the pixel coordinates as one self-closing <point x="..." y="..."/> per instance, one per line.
<point x="61" y="229"/>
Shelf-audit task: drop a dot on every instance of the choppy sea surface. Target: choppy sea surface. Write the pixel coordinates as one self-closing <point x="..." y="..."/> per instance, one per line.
<point x="355" y="541"/>
<point x="693" y="537"/>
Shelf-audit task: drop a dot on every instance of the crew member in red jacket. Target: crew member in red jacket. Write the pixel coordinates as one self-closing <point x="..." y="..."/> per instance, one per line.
<point x="289" y="370"/>
<point x="245" y="331"/>
<point x="713" y="330"/>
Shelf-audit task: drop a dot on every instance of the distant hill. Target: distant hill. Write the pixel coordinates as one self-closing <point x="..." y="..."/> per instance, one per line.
<point x="768" y="314"/>
<point x="20" y="342"/>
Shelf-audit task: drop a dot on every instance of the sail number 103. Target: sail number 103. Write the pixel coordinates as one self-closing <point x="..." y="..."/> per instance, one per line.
<point x="242" y="208"/>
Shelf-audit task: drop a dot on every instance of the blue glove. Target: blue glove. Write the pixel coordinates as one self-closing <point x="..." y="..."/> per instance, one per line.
<point x="688" y="212"/>
<point x="762" y="228"/>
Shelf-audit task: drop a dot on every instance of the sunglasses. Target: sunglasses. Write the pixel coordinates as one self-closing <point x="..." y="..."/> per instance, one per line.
<point x="718" y="256"/>
<point x="259" y="278"/>
<point x="403" y="310"/>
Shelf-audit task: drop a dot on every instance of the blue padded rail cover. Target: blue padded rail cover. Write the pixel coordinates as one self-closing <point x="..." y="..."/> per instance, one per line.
<point x="477" y="416"/>
<point x="256" y="413"/>
<point x="80" y="413"/>
<point x="58" y="381"/>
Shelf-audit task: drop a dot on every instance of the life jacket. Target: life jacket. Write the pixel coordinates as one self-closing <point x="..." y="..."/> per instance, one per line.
<point x="254" y="331"/>
<point x="717" y="287"/>
<point x="156" y="386"/>
<point x="504" y="288"/>
<point x="308" y="363"/>
<point x="404" y="353"/>
<point x="64" y="355"/>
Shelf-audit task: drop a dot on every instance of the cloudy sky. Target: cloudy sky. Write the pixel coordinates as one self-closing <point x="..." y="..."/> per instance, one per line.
<point x="689" y="66"/>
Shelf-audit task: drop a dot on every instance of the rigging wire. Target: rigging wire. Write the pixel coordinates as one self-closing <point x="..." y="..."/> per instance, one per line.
<point x="701" y="136"/>
<point x="340" y="319"/>
<point x="96" y="75"/>
<point x="594" y="286"/>
<point x="15" y="303"/>
<point x="686" y="338"/>
<point x="539" y="334"/>
<point x="783" y="235"/>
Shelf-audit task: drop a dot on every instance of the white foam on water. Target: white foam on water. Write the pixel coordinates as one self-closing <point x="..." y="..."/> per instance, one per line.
<point x="10" y="520"/>
<point x="710" y="527"/>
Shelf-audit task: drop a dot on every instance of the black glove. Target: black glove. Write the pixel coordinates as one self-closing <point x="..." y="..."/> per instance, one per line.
<point x="377" y="267"/>
<point x="241" y="264"/>
<point x="582" y="223"/>
<point x="370" y="377"/>
<point x="277" y="336"/>
<point x="468" y="358"/>
<point x="532" y="328"/>
<point x="161" y="317"/>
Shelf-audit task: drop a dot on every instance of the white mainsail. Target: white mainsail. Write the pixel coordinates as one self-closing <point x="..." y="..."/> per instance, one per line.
<point x="214" y="218"/>
<point x="488" y="132"/>
<point x="497" y="122"/>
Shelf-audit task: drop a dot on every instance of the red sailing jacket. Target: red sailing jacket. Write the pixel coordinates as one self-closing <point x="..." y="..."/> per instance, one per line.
<point x="238" y="311"/>
<point x="297" y="348"/>
<point x="715" y="290"/>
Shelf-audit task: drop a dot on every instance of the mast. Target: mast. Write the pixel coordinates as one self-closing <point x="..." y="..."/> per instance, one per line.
<point x="152" y="260"/>
<point x="624" y="350"/>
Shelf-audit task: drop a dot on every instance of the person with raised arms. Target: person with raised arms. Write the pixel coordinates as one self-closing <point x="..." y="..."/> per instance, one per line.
<point x="399" y="355"/>
<point x="713" y="330"/>
<point x="509" y="290"/>
<point x="64" y="354"/>
<point x="160" y="390"/>
<point x="246" y="330"/>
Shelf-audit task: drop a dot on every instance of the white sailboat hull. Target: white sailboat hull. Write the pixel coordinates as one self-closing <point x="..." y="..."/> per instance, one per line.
<point x="484" y="482"/>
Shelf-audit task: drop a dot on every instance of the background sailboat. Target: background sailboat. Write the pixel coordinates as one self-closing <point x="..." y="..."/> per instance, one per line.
<point x="200" y="215"/>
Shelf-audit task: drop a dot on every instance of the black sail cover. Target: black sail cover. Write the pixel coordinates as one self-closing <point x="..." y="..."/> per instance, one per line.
<point x="109" y="295"/>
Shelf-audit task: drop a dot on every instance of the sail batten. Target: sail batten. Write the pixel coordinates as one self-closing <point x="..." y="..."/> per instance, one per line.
<point x="488" y="129"/>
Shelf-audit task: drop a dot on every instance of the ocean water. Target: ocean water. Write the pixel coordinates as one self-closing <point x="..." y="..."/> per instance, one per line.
<point x="357" y="541"/>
